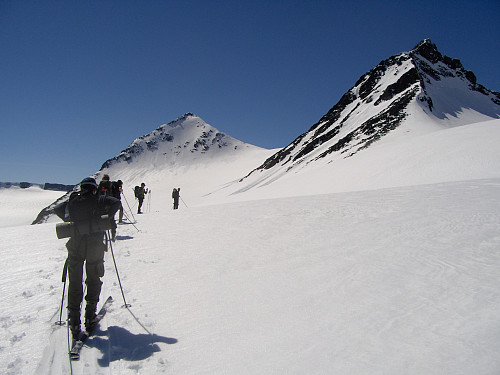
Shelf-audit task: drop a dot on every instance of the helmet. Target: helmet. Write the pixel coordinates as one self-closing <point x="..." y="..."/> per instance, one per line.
<point x="88" y="182"/>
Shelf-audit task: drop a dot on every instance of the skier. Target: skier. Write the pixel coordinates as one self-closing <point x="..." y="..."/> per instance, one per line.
<point x="106" y="188"/>
<point x="142" y="191"/>
<point x="117" y="190"/>
<point x="105" y="185"/>
<point x="85" y="208"/>
<point x="175" y="196"/>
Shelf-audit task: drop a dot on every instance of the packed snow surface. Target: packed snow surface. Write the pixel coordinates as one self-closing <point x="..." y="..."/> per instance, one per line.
<point x="21" y="206"/>
<point x="397" y="277"/>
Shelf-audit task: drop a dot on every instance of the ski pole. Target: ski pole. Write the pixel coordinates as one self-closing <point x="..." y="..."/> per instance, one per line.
<point x="183" y="202"/>
<point x="126" y="201"/>
<point x="136" y="201"/>
<point x="124" y="214"/>
<point x="126" y="305"/>
<point x="64" y="274"/>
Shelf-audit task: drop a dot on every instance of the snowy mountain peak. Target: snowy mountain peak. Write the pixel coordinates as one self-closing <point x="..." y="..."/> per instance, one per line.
<point x="408" y="93"/>
<point x="185" y="152"/>
<point x="447" y="87"/>
<point x="180" y="142"/>
<point x="428" y="50"/>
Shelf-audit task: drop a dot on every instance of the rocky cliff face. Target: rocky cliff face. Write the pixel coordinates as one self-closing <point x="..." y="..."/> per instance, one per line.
<point x="383" y="99"/>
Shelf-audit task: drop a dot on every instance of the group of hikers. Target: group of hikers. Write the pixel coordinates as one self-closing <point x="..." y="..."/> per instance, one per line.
<point x="115" y="189"/>
<point x="88" y="241"/>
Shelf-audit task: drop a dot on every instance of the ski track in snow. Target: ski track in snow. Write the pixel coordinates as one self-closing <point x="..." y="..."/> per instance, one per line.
<point x="391" y="281"/>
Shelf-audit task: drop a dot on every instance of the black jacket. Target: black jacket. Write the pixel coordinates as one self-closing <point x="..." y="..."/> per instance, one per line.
<point x="83" y="208"/>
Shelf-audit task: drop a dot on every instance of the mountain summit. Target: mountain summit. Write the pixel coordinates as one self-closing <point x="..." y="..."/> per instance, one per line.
<point x="180" y="142"/>
<point x="412" y="92"/>
<point x="187" y="144"/>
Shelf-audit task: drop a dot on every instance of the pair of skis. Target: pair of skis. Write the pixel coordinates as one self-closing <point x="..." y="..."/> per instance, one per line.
<point x="78" y="344"/>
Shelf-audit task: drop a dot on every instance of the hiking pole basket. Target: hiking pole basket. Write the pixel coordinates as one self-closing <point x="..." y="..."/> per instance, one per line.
<point x="64" y="274"/>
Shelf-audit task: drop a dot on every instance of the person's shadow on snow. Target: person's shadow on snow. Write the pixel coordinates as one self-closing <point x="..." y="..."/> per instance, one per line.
<point x="120" y="238"/>
<point x="118" y="343"/>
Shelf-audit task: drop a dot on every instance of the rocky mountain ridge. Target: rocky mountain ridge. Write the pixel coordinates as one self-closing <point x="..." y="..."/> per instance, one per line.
<point x="383" y="99"/>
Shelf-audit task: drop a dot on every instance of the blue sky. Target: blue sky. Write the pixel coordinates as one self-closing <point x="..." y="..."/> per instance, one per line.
<point x="80" y="80"/>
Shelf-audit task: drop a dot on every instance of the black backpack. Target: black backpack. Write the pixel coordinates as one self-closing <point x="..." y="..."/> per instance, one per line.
<point x="83" y="207"/>
<point x="136" y="191"/>
<point x="85" y="212"/>
<point x="105" y="187"/>
<point x="115" y="189"/>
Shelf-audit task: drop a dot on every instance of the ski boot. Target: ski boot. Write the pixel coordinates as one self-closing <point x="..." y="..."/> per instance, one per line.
<point x="76" y="332"/>
<point x="74" y="325"/>
<point x="90" y="323"/>
<point x="90" y="318"/>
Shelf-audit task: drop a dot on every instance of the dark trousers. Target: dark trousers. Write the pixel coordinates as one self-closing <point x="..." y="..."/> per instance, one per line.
<point x="89" y="250"/>
<point x="140" y="204"/>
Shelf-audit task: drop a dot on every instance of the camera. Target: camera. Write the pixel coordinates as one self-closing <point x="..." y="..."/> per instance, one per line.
<point x="65" y="230"/>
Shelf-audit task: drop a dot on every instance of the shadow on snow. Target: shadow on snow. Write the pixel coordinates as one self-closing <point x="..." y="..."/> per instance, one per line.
<point x="124" y="237"/>
<point x="117" y="343"/>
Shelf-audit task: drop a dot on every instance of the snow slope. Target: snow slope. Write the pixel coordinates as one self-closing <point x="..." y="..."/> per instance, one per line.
<point x="389" y="281"/>
<point x="451" y="154"/>
<point x="17" y="211"/>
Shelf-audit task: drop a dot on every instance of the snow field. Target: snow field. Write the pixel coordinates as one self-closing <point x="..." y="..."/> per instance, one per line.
<point x="15" y="211"/>
<point x="392" y="281"/>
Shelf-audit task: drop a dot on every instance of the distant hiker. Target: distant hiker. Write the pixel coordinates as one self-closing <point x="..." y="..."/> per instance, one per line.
<point x="175" y="195"/>
<point x="105" y="186"/>
<point x="140" y="192"/>
<point x="116" y="191"/>
<point x="86" y="245"/>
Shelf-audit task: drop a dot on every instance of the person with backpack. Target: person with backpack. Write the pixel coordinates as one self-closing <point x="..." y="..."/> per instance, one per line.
<point x="116" y="191"/>
<point x="86" y="246"/>
<point x="140" y="192"/>
<point x="105" y="186"/>
<point x="175" y="195"/>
